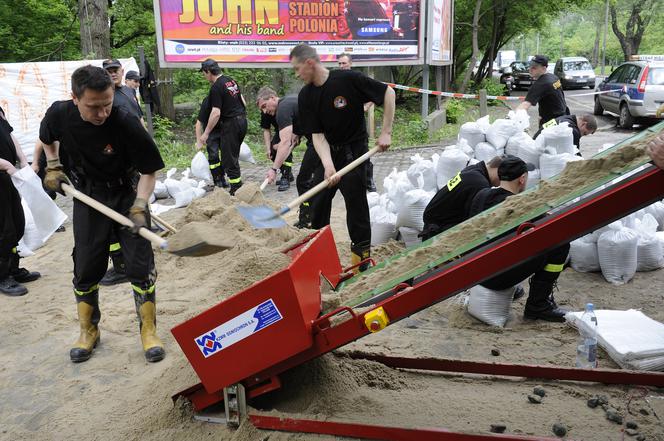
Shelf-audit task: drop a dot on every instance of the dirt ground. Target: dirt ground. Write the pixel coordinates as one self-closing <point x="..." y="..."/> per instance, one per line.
<point x="117" y="395"/>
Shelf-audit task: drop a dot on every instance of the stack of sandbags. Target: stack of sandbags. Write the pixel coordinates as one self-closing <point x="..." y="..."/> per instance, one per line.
<point x="422" y="173"/>
<point x="451" y="162"/>
<point x="484" y="151"/>
<point x="489" y="306"/>
<point x="501" y="131"/>
<point x="516" y="141"/>
<point x="472" y="133"/>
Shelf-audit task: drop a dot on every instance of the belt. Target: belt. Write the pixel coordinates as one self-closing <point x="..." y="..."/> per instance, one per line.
<point x="113" y="183"/>
<point x="242" y="115"/>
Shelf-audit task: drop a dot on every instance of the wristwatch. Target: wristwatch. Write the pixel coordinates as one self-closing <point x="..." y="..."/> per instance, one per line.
<point x="274" y="169"/>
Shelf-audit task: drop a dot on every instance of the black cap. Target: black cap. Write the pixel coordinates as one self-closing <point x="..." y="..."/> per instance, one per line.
<point x="542" y="60"/>
<point x="107" y="64"/>
<point x="208" y="65"/>
<point x="512" y="168"/>
<point x="132" y="75"/>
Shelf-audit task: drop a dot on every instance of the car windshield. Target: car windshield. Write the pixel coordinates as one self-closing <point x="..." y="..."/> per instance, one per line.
<point x="519" y="66"/>
<point x="656" y="76"/>
<point x="576" y="65"/>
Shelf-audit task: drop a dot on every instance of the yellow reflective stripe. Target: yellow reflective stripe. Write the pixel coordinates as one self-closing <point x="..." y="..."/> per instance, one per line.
<point x="235" y="180"/>
<point x="454" y="182"/>
<point x="14" y="250"/>
<point x="550" y="123"/>
<point x="288" y="164"/>
<point x="142" y="291"/>
<point x="306" y="204"/>
<point x="114" y="247"/>
<point x="554" y="268"/>
<point x="213" y="166"/>
<point x="82" y="293"/>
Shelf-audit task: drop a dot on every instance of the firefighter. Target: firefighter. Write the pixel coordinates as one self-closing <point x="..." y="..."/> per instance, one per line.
<point x="546" y="92"/>
<point x="213" y="144"/>
<point x="267" y="97"/>
<point x="106" y="146"/>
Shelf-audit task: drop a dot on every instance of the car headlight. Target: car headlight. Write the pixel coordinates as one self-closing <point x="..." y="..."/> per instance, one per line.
<point x="591" y="76"/>
<point x="568" y="77"/>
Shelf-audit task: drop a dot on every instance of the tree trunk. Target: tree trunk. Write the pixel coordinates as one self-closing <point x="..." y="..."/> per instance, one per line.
<point x="476" y="47"/>
<point x="639" y="19"/>
<point x="165" y="89"/>
<point x="598" y="32"/>
<point x="95" y="32"/>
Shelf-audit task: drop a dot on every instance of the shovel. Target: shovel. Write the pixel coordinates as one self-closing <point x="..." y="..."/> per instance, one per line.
<point x="262" y="216"/>
<point x="191" y="245"/>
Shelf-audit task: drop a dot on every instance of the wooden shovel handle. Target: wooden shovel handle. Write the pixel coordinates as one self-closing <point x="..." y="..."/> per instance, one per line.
<point x="322" y="185"/>
<point x="117" y="217"/>
<point x="264" y="184"/>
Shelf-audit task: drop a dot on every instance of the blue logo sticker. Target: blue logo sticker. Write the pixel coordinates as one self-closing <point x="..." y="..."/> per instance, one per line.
<point x="208" y="344"/>
<point x="179" y="48"/>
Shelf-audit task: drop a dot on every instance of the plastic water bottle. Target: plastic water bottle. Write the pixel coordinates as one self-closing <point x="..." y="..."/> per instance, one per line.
<point x="586" y="349"/>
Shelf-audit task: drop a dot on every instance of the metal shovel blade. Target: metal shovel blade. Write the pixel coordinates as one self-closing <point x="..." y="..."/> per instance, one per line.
<point x="198" y="239"/>
<point x="262" y="216"/>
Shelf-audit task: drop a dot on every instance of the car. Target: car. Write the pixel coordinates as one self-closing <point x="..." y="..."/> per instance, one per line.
<point x="516" y="75"/>
<point x="574" y="72"/>
<point x="636" y="92"/>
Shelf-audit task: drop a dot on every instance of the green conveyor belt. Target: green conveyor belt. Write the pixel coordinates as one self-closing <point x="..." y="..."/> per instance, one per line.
<point x="513" y="224"/>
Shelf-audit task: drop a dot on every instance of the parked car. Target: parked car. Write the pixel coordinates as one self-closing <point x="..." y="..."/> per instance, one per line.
<point x="516" y="75"/>
<point x="637" y="91"/>
<point x="574" y="72"/>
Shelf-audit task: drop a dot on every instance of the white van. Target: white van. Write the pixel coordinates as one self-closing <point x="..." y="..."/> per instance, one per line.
<point x="575" y="72"/>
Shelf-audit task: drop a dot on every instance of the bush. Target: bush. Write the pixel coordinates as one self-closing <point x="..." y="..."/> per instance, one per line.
<point x="454" y="109"/>
<point x="174" y="153"/>
<point x="493" y="87"/>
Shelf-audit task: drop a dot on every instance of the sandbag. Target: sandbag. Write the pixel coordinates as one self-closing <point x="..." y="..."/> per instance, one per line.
<point x="649" y="254"/>
<point x="489" y="306"/>
<point x="373" y="199"/>
<point x="30" y="234"/>
<point x="472" y="133"/>
<point x="530" y="153"/>
<point x="422" y="174"/>
<point x="410" y="236"/>
<point x="387" y="204"/>
<point x="174" y="186"/>
<point x="464" y="147"/>
<point x="533" y="178"/>
<point x="514" y="142"/>
<point x="245" y="154"/>
<point x="520" y="118"/>
<point x="617" y="250"/>
<point x="160" y="190"/>
<point x="451" y="162"/>
<point x="484" y="151"/>
<point x="500" y="131"/>
<point x="200" y="167"/>
<point x="584" y="257"/>
<point x="558" y="137"/>
<point x="411" y="211"/>
<point x="187" y="180"/>
<point x="383" y="225"/>
<point x="398" y="189"/>
<point x="657" y="210"/>
<point x="552" y="165"/>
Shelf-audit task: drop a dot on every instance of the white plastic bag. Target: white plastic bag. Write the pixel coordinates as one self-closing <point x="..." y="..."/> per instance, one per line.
<point x="516" y="141"/>
<point x="472" y="133"/>
<point x="533" y="178"/>
<point x="383" y="225"/>
<point x="160" y="190"/>
<point x="657" y="210"/>
<point x="400" y="186"/>
<point x="451" y="162"/>
<point x="484" y="151"/>
<point x="617" y="250"/>
<point x="483" y="123"/>
<point x="559" y="137"/>
<point x="649" y="255"/>
<point x="245" y="154"/>
<point x="530" y="153"/>
<point x="373" y="199"/>
<point x="584" y="257"/>
<point x="31" y="237"/>
<point x="411" y="210"/>
<point x="200" y="167"/>
<point x="491" y="307"/>
<point x="187" y="180"/>
<point x="552" y="165"/>
<point x="422" y="168"/>
<point x="520" y="118"/>
<point x="500" y="131"/>
<point x="410" y="235"/>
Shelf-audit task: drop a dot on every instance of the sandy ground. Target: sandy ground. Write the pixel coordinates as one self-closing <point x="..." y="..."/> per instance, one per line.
<point x="117" y="395"/>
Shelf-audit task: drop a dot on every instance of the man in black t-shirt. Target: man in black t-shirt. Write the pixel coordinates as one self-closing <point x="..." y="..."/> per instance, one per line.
<point x="331" y="108"/>
<point x="546" y="92"/>
<point x="451" y="204"/>
<point x="213" y="144"/>
<point x="544" y="268"/>
<point x="228" y="109"/>
<point x="12" y="220"/>
<point x="582" y="125"/>
<point x="268" y="101"/>
<point x="106" y="147"/>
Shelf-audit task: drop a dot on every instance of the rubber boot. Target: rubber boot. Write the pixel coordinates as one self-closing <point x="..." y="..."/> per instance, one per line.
<point x="117" y="273"/>
<point x="21" y="275"/>
<point x="219" y="178"/>
<point x="286" y="179"/>
<point x="235" y="187"/>
<point x="304" y="220"/>
<point x="540" y="304"/>
<point x="358" y="253"/>
<point x="88" y="319"/>
<point x="146" y="310"/>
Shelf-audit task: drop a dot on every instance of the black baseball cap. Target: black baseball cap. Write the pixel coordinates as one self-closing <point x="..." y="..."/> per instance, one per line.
<point x="107" y="64"/>
<point x="542" y="60"/>
<point x="132" y="75"/>
<point x="512" y="168"/>
<point x="208" y="65"/>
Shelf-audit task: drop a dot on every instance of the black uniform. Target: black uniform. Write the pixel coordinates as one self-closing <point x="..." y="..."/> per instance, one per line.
<point x="103" y="161"/>
<point x="12" y="221"/>
<point x="336" y="109"/>
<point x="451" y="205"/>
<point x="547" y="94"/>
<point x="546" y="267"/>
<point x="269" y="122"/>
<point x="125" y="98"/>
<point x="225" y="95"/>
<point x="213" y="143"/>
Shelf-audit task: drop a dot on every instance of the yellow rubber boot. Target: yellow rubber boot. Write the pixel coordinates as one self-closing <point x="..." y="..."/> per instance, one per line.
<point x="152" y="346"/>
<point x="358" y="253"/>
<point x="89" y="337"/>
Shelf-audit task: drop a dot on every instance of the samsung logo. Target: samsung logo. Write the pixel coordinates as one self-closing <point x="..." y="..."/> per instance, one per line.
<point x="374" y="29"/>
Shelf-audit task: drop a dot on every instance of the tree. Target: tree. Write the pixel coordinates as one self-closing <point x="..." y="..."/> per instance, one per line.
<point x="94" y="28"/>
<point x="476" y="48"/>
<point x="639" y="14"/>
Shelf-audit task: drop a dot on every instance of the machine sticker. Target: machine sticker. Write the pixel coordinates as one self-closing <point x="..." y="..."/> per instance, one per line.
<point x="238" y="328"/>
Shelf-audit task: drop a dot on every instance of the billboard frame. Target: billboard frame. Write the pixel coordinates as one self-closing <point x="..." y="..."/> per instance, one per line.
<point x="420" y="60"/>
<point x="429" y="40"/>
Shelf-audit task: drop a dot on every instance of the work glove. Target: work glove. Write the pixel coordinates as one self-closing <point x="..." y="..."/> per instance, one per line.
<point x="55" y="177"/>
<point x="138" y="214"/>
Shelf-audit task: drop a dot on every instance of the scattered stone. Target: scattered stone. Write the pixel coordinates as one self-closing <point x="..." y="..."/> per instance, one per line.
<point x="641" y="438"/>
<point x="495" y="352"/>
<point x="614" y="416"/>
<point x="539" y="390"/>
<point x="631" y="432"/>
<point x="535" y="399"/>
<point x="631" y="425"/>
<point x="602" y="399"/>
<point x="643" y="411"/>
<point x="498" y="428"/>
<point x="559" y="429"/>
<point x="593" y="403"/>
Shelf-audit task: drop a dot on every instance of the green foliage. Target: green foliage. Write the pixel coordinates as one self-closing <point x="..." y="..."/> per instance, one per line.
<point x="175" y="153"/>
<point x="454" y="109"/>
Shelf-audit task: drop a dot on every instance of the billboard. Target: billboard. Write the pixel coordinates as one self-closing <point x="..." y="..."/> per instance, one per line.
<point x="252" y="32"/>
<point x="440" y="31"/>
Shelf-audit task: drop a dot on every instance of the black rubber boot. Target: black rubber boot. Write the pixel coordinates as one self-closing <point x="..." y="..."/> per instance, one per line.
<point x="88" y="318"/>
<point x="21" y="275"/>
<point x="117" y="274"/>
<point x="286" y="179"/>
<point x="518" y="292"/>
<point x="219" y="178"/>
<point x="146" y="310"/>
<point x="235" y="187"/>
<point x="358" y="253"/>
<point x="541" y="305"/>
<point x="304" y="220"/>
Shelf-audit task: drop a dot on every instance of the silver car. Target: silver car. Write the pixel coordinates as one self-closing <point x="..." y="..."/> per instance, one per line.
<point x="634" y="91"/>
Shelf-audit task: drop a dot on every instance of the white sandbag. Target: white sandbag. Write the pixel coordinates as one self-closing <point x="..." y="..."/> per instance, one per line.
<point x="473" y="161"/>
<point x="158" y="208"/>
<point x="520" y="118"/>
<point x="558" y="137"/>
<point x="193" y="183"/>
<point x="472" y="133"/>
<point x="534" y="177"/>
<point x="463" y="145"/>
<point x="657" y="210"/>
<point x="46" y="215"/>
<point x="649" y="254"/>
<point x="584" y="257"/>
<point x="484" y="123"/>
<point x="174" y="186"/>
<point x="400" y="186"/>
<point x="516" y="141"/>
<point x="410" y="236"/>
<point x="434" y="159"/>
<point x="152" y="198"/>
<point x="183" y="198"/>
<point x="245" y="154"/>
<point x="412" y="210"/>
<point x="200" y="167"/>
<point x="530" y="153"/>
<point x="422" y="169"/>
<point x="373" y="199"/>
<point x="160" y="190"/>
<point x="484" y="151"/>
<point x="383" y="225"/>
<point x="30" y="233"/>
<point x="491" y="307"/>
<point x="387" y="204"/>
<point x="451" y="162"/>
<point x="617" y="250"/>
<point x="552" y="165"/>
<point x="500" y="131"/>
